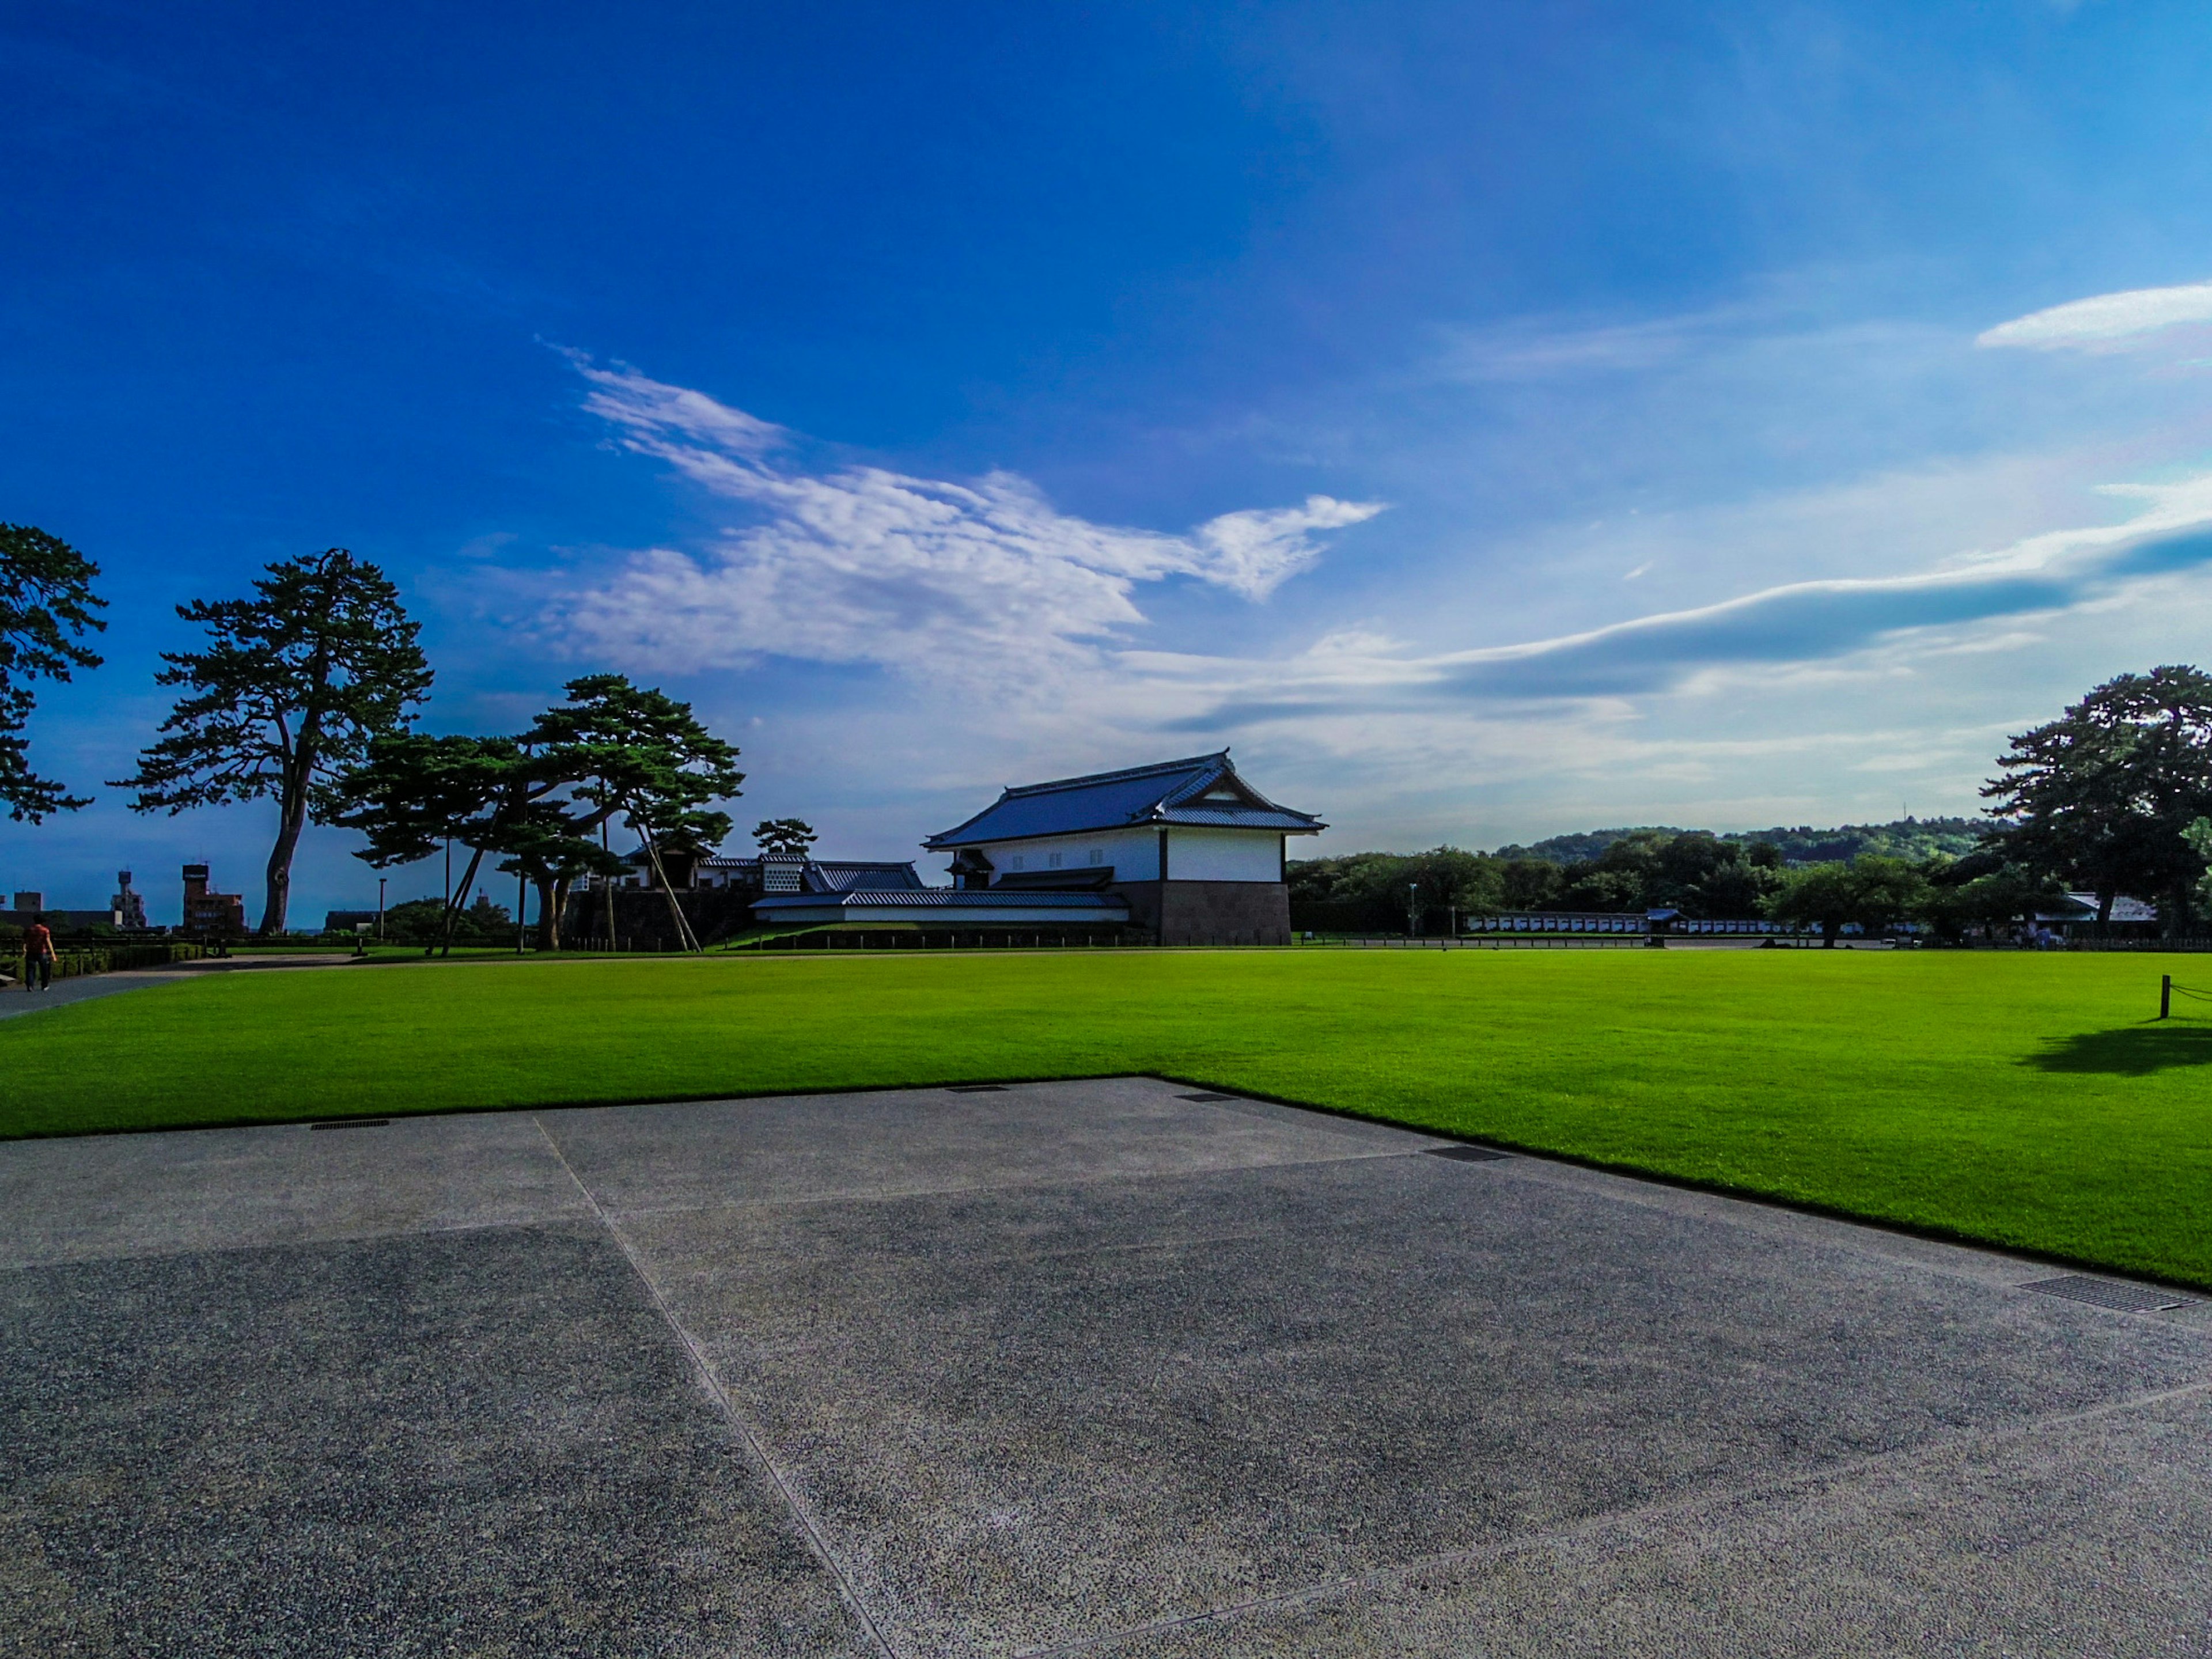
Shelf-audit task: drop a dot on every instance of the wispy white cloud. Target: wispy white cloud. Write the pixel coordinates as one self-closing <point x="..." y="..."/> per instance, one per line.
<point x="1780" y="627"/>
<point x="864" y="565"/>
<point x="1792" y="640"/>
<point x="2104" y="321"/>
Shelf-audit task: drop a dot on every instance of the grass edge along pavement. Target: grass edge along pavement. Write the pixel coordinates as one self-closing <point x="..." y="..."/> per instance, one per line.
<point x="2022" y="1100"/>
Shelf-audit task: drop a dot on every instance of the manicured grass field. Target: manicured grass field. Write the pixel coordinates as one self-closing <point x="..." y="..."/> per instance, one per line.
<point x="2022" y="1100"/>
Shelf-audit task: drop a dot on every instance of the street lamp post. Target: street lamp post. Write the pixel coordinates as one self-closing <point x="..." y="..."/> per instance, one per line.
<point x="380" y="880"/>
<point x="1412" y="909"/>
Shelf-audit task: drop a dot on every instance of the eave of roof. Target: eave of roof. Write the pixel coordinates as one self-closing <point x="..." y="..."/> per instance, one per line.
<point x="943" y="898"/>
<point x="1166" y="794"/>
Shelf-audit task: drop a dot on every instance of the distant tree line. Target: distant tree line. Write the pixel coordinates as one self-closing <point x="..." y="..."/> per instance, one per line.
<point x="1917" y="839"/>
<point x="2112" y="798"/>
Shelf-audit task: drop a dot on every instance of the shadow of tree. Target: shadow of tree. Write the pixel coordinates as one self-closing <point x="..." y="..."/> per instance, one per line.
<point x="2130" y="1051"/>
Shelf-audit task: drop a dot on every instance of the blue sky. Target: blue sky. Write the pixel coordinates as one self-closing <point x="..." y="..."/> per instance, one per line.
<point x="1490" y="421"/>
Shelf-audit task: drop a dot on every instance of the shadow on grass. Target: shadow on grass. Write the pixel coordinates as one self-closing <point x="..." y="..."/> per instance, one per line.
<point x="2130" y="1051"/>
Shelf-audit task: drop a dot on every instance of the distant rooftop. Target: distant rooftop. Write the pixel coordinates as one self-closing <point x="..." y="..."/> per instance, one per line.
<point x="1202" y="791"/>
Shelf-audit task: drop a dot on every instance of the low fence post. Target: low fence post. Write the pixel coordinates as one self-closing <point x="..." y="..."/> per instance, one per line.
<point x="2165" y="995"/>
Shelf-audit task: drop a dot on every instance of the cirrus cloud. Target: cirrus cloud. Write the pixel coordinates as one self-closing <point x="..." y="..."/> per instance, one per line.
<point x="2104" y="321"/>
<point x="860" y="564"/>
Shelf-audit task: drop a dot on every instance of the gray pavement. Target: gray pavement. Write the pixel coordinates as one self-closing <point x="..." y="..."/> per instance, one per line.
<point x="1079" y="1368"/>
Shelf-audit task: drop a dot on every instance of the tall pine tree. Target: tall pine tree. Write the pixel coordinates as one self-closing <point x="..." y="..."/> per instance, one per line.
<point x="293" y="683"/>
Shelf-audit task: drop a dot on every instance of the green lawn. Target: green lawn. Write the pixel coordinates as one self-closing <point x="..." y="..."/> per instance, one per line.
<point x="2025" y="1100"/>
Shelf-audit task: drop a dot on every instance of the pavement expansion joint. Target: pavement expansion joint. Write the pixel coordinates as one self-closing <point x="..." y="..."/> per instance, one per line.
<point x="1772" y="1487"/>
<point x="817" y="1543"/>
<point x="1466" y="1154"/>
<point x="1059" y="1178"/>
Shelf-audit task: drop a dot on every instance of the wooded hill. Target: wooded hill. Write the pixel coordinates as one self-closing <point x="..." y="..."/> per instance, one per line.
<point x="1902" y="838"/>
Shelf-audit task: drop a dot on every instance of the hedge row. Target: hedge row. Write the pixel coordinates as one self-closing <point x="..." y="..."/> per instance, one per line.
<point x="71" y="960"/>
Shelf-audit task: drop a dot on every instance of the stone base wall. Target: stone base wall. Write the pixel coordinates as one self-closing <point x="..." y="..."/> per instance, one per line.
<point x="1210" y="912"/>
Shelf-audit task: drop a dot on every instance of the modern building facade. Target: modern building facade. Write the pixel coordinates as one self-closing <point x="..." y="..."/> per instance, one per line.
<point x="208" y="913"/>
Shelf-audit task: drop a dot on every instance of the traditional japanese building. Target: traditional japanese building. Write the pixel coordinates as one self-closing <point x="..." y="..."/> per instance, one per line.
<point x="1185" y="852"/>
<point x="1190" y="851"/>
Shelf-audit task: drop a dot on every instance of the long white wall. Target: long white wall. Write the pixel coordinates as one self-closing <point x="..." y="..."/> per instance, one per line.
<point x="1225" y="856"/>
<point x="1134" y="854"/>
<point x="1192" y="855"/>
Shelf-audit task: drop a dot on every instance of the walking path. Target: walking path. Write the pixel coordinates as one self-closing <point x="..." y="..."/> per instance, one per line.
<point x="15" y="1000"/>
<point x="1118" y="1368"/>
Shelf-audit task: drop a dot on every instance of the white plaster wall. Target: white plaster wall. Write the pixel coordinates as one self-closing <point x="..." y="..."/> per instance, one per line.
<point x="1225" y="856"/>
<point x="1134" y="854"/>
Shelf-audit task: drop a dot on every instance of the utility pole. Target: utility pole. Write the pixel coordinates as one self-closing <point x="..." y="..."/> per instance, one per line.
<point x="380" y="880"/>
<point x="1412" y="909"/>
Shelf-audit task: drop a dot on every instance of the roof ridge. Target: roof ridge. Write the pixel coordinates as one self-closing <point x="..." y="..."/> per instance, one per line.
<point x="1015" y="791"/>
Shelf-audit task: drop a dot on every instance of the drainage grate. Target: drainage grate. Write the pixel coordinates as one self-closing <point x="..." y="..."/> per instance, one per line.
<point x="2105" y="1293"/>
<point x="354" y="1123"/>
<point x="1466" y="1154"/>
<point x="977" y="1088"/>
<point x="1203" y="1096"/>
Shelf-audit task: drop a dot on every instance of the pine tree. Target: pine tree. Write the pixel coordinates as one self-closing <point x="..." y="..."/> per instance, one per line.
<point x="293" y="684"/>
<point x="46" y="605"/>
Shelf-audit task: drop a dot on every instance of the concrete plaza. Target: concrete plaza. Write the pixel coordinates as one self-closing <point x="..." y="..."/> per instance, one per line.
<point x="1113" y="1368"/>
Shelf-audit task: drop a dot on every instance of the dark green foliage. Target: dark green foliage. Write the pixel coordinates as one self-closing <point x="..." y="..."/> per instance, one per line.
<point x="293" y="685"/>
<point x="1982" y="891"/>
<point x="788" y="837"/>
<point x="621" y="748"/>
<point x="1700" y="874"/>
<point x="1581" y="846"/>
<point x="1381" y="892"/>
<point x="47" y="606"/>
<point x="422" y="922"/>
<point x="542" y="801"/>
<point x="1872" y="891"/>
<point x="1906" y="838"/>
<point x="2103" y="797"/>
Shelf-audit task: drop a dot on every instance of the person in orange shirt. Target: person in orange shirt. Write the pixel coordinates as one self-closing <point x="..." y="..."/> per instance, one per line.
<point x="37" y="957"/>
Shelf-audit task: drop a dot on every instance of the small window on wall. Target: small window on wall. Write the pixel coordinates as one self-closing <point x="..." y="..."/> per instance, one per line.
<point x="1017" y="860"/>
<point x="1097" y="857"/>
<point x="1053" y="859"/>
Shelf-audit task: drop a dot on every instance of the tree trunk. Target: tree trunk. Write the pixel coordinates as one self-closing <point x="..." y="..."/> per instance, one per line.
<point x="301" y="755"/>
<point x="552" y="899"/>
<point x="294" y="818"/>
<point x="1829" y="930"/>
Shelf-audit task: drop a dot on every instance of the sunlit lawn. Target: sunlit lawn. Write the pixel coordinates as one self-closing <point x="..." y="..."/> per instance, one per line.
<point x="2025" y="1100"/>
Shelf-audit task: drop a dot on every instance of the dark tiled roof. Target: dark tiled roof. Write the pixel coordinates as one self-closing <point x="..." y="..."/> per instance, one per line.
<point x="1234" y="818"/>
<point x="784" y="874"/>
<point x="844" y="875"/>
<point x="1082" y="878"/>
<point x="1167" y="793"/>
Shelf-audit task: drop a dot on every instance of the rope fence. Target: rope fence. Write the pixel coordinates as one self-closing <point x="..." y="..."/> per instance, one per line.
<point x="2168" y="990"/>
